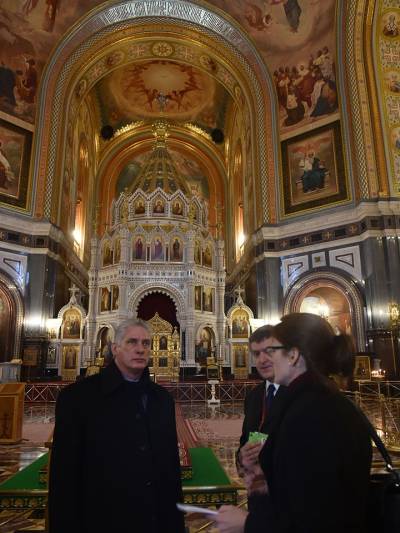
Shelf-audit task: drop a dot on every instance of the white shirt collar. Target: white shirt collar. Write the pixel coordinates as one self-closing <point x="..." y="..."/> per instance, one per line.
<point x="268" y="383"/>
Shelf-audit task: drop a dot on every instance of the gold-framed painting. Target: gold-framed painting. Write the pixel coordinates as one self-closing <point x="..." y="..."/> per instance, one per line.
<point x="115" y="297"/>
<point x="117" y="251"/>
<point x="138" y="252"/>
<point x="15" y="154"/>
<point x="197" y="297"/>
<point x="70" y="356"/>
<point x="240" y="324"/>
<point x="208" y="299"/>
<point x="71" y="326"/>
<point x="30" y="355"/>
<point x="240" y="355"/>
<point x="107" y="254"/>
<point x="362" y="368"/>
<point x="207" y="256"/>
<point x="314" y="173"/>
<point x="105" y="299"/>
<point x="157" y="249"/>
<point x="176" y="251"/>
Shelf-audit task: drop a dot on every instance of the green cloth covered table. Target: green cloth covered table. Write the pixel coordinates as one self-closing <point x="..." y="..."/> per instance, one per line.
<point x="209" y="485"/>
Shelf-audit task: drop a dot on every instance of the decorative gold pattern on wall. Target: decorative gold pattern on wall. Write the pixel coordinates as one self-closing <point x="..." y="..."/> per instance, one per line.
<point x="362" y="148"/>
<point x="387" y="39"/>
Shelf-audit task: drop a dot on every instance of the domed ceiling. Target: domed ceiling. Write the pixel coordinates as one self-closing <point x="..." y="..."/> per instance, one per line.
<point x="190" y="169"/>
<point x="143" y="90"/>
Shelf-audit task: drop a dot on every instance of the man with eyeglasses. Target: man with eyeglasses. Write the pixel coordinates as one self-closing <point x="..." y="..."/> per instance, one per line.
<point x="258" y="403"/>
<point x="114" y="461"/>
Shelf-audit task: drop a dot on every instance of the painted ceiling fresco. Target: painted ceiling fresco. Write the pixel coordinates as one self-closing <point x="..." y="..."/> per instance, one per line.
<point x="190" y="170"/>
<point x="143" y="89"/>
<point x="297" y="40"/>
<point x="295" y="37"/>
<point x="29" y="29"/>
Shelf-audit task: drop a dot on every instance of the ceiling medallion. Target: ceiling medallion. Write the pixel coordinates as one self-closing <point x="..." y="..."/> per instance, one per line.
<point x="162" y="49"/>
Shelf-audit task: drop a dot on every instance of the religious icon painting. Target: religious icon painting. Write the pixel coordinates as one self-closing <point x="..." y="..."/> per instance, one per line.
<point x="139" y="207"/>
<point x="117" y="251"/>
<point x="114" y="297"/>
<point x="362" y="368"/>
<point x="197" y="297"/>
<point x="15" y="152"/>
<point x="107" y="254"/>
<point x="138" y="249"/>
<point x="105" y="299"/>
<point x="157" y="249"/>
<point x="208" y="299"/>
<point x="30" y="355"/>
<point x="197" y="253"/>
<point x="71" y="325"/>
<point x="391" y="24"/>
<point x="51" y="359"/>
<point x="176" y="249"/>
<point x="240" y="324"/>
<point x="70" y="356"/>
<point x="314" y="174"/>
<point x="207" y="256"/>
<point x="158" y="207"/>
<point x="163" y="343"/>
<point x="240" y="355"/>
<point x="177" y="208"/>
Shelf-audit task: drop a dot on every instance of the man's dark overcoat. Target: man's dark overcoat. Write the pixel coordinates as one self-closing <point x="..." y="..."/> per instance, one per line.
<point x="115" y="462"/>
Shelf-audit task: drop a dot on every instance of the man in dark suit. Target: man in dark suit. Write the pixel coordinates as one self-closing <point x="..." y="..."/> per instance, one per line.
<point x="258" y="402"/>
<point x="114" y="461"/>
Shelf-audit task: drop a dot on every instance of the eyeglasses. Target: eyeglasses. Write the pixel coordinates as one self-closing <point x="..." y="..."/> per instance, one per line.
<point x="268" y="351"/>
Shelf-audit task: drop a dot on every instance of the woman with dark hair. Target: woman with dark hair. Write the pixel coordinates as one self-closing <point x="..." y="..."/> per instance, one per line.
<point x="317" y="457"/>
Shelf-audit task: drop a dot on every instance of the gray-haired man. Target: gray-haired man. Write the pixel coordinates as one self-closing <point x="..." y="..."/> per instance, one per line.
<point x="115" y="463"/>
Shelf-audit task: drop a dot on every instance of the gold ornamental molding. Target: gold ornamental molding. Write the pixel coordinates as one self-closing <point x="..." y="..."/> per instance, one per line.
<point x="363" y="98"/>
<point x="65" y="82"/>
<point x="385" y="66"/>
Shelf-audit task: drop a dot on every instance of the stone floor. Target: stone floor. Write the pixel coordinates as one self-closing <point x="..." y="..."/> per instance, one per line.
<point x="216" y="427"/>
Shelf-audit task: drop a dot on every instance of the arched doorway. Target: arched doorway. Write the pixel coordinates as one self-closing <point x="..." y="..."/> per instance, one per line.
<point x="11" y="318"/>
<point x="160" y="303"/>
<point x="7" y="324"/>
<point x="332" y="296"/>
<point x="331" y="304"/>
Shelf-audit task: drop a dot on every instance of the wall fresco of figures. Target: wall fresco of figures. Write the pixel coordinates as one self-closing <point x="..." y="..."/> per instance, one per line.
<point x="297" y="41"/>
<point x="295" y="37"/>
<point x="30" y="30"/>
<point x="15" y="151"/>
<point x="133" y="92"/>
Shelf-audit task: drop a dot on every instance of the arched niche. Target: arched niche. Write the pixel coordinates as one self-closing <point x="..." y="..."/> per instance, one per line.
<point x="149" y="288"/>
<point x="70" y="74"/>
<point x="11" y="319"/>
<point x="332" y="293"/>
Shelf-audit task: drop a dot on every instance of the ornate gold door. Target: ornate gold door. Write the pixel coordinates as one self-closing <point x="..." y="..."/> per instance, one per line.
<point x="165" y="349"/>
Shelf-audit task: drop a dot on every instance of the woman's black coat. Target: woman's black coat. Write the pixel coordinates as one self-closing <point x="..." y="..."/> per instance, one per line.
<point x="115" y="463"/>
<point x="316" y="461"/>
